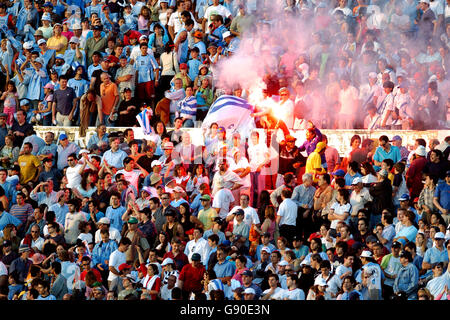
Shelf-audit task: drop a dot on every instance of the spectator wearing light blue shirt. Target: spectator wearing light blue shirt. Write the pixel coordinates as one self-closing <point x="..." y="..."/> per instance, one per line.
<point x="385" y="151"/>
<point x="114" y="157"/>
<point x="60" y="209"/>
<point x="115" y="211"/>
<point x="436" y="253"/>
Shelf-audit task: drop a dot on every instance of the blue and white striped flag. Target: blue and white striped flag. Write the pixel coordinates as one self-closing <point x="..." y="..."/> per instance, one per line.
<point x="144" y="120"/>
<point x="231" y="112"/>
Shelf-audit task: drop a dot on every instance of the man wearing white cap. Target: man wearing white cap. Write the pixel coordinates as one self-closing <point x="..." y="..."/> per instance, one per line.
<point x="105" y="224"/>
<point x="371" y="276"/>
<point x="359" y="197"/>
<point x="73" y="55"/>
<point x="437" y="253"/>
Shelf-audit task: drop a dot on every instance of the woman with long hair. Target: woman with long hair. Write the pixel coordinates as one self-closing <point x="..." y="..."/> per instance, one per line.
<point x="199" y="177"/>
<point x="188" y="221"/>
<point x="269" y="223"/>
<point x="87" y="186"/>
<point x="368" y="172"/>
<point x="162" y="245"/>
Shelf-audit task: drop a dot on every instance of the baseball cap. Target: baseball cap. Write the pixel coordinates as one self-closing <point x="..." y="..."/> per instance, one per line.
<point x="249" y="291"/>
<point x="266" y="249"/>
<point x="167" y="261"/>
<point x="247" y="273"/>
<point x="28" y="45"/>
<point x="357" y="180"/>
<point x="226" y="34"/>
<point x="97" y="27"/>
<point x="283" y="263"/>
<point x="133" y="220"/>
<point x="38" y="32"/>
<point x="104" y="220"/>
<point x="7" y="243"/>
<point x="320" y="282"/>
<point x="63" y="136"/>
<point x="143" y="37"/>
<point x="24" y="248"/>
<point x="404" y="197"/>
<point x="76" y="26"/>
<point x="396" y="138"/>
<point x="74" y="40"/>
<point x="439" y="235"/>
<point x="183" y="66"/>
<point x="49" y="85"/>
<point x="396" y="244"/>
<point x="124" y="266"/>
<point x="156" y="163"/>
<point x="167" y="145"/>
<point x="3" y="115"/>
<point x="205" y="197"/>
<point x="339" y="173"/>
<point x="239" y="212"/>
<point x="196" y="257"/>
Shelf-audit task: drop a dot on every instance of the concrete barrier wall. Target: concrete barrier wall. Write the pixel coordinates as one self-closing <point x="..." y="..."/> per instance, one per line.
<point x="340" y="139"/>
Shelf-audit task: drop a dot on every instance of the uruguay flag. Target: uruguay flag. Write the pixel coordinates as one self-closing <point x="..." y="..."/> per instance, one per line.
<point x="144" y="120"/>
<point x="231" y="112"/>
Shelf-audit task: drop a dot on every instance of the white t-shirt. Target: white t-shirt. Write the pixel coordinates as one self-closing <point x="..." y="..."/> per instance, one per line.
<point x="215" y="10"/>
<point x="222" y="199"/>
<point x="115" y="260"/>
<point x="242" y="164"/>
<point x="201" y="247"/>
<point x="340" y="210"/>
<point x="250" y="215"/>
<point x="288" y="212"/>
<point x="277" y="295"/>
<point x="294" y="294"/>
<point x="73" y="176"/>
<point x="114" y="234"/>
<point x="166" y="293"/>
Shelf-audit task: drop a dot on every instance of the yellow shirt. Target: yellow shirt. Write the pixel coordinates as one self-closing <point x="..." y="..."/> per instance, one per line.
<point x="313" y="162"/>
<point x="206" y="217"/>
<point x="29" y="165"/>
<point x="53" y="41"/>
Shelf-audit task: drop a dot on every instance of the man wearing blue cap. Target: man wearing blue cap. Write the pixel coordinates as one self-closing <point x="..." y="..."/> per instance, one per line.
<point x="397" y="141"/>
<point x="65" y="148"/>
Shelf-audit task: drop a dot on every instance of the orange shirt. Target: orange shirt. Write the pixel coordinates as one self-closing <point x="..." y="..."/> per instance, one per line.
<point x="108" y="94"/>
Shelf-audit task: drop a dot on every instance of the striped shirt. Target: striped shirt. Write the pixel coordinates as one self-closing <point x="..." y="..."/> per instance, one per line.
<point x="21" y="212"/>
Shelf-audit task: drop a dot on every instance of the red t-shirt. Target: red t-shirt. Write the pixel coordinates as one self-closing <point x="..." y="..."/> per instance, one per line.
<point x="192" y="277"/>
<point x="180" y="260"/>
<point x="97" y="273"/>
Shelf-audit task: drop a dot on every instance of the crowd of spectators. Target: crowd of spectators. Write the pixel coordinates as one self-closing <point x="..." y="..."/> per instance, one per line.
<point x="164" y="218"/>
